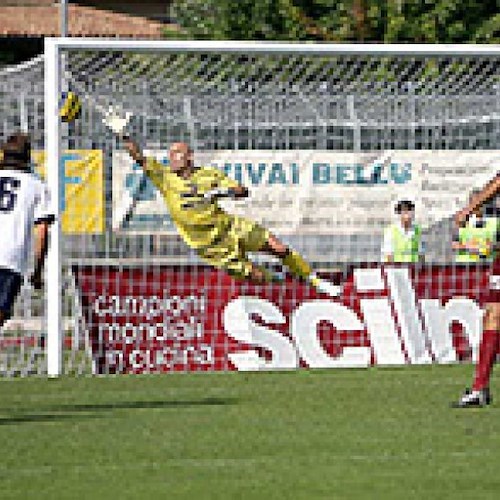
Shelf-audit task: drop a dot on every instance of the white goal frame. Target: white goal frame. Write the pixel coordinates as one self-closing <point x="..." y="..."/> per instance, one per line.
<point x="53" y="73"/>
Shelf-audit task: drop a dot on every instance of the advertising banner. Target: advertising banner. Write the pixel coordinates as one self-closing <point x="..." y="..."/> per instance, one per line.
<point x="190" y="318"/>
<point x="316" y="192"/>
<point x="81" y="190"/>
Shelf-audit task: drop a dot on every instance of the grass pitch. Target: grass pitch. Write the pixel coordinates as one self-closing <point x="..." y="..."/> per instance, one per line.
<point x="338" y="434"/>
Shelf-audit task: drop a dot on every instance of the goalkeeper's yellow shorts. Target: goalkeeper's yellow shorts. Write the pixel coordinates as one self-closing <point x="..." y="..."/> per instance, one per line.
<point x="230" y="250"/>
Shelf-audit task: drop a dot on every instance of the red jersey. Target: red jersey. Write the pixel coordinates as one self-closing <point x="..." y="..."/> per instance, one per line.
<point x="494" y="288"/>
<point x="496" y="266"/>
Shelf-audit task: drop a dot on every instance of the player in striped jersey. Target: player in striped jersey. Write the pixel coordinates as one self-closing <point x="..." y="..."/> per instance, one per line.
<point x="24" y="205"/>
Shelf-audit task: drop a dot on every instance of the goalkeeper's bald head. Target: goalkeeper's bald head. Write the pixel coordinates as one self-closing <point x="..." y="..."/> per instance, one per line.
<point x="181" y="157"/>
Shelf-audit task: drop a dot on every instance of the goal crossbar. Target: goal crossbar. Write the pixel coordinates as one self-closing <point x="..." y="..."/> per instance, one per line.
<point x="323" y="49"/>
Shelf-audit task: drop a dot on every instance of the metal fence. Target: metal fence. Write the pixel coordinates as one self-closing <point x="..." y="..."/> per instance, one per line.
<point x="359" y="103"/>
<point x="228" y="102"/>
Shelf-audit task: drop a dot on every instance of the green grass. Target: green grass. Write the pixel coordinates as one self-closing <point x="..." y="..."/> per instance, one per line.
<point x="339" y="434"/>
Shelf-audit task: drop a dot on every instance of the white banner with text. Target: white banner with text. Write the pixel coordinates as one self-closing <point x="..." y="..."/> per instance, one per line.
<point x="314" y="192"/>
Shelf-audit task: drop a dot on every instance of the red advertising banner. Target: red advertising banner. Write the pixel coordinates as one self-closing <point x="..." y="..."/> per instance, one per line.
<point x="192" y="318"/>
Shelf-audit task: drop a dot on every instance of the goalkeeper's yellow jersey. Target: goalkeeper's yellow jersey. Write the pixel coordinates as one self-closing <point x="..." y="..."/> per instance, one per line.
<point x="199" y="223"/>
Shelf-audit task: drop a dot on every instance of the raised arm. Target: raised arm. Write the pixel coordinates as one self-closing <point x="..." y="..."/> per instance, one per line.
<point x="489" y="191"/>
<point x="134" y="151"/>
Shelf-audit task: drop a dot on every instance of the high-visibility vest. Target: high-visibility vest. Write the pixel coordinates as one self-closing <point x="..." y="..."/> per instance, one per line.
<point x="482" y="236"/>
<point x="405" y="248"/>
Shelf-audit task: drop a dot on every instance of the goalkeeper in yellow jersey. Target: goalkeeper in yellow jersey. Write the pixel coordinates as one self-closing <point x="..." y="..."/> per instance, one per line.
<point x="220" y="239"/>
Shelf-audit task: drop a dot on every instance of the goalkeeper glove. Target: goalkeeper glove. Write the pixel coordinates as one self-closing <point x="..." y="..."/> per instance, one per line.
<point x="116" y="120"/>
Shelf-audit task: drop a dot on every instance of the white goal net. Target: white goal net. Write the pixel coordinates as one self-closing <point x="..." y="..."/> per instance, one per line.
<point x="328" y="139"/>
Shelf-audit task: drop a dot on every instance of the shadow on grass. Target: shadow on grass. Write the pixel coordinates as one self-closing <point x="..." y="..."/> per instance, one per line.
<point x="97" y="410"/>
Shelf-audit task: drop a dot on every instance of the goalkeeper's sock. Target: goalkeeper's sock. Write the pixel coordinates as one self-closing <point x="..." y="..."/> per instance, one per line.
<point x="324" y="286"/>
<point x="300" y="268"/>
<point x="487" y="353"/>
<point x="297" y="265"/>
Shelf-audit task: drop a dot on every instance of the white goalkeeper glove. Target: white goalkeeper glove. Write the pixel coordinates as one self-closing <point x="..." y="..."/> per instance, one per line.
<point x="116" y="120"/>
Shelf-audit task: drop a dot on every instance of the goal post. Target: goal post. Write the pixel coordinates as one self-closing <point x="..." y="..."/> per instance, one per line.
<point x="322" y="133"/>
<point x="54" y="258"/>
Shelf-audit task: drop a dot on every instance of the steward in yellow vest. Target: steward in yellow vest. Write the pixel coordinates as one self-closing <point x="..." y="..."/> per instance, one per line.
<point x="403" y="240"/>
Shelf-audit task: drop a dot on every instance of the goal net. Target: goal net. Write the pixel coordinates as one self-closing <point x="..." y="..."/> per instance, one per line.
<point x="328" y="138"/>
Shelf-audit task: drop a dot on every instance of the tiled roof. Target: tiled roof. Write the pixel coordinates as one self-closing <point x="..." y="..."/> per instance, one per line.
<point x="35" y="21"/>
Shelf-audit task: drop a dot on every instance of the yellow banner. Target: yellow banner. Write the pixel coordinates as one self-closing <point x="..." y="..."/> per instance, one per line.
<point x="81" y="189"/>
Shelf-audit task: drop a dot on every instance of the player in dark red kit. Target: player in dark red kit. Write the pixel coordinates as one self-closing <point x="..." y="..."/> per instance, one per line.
<point x="490" y="342"/>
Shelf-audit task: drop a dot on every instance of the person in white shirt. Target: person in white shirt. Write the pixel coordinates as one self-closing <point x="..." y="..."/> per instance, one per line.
<point x="25" y="218"/>
<point x="403" y="240"/>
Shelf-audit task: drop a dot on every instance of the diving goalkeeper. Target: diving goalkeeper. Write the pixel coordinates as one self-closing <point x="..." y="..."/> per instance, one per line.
<point x="220" y="239"/>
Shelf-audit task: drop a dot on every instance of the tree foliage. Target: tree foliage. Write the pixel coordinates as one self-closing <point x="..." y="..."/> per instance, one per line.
<point x="424" y="21"/>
